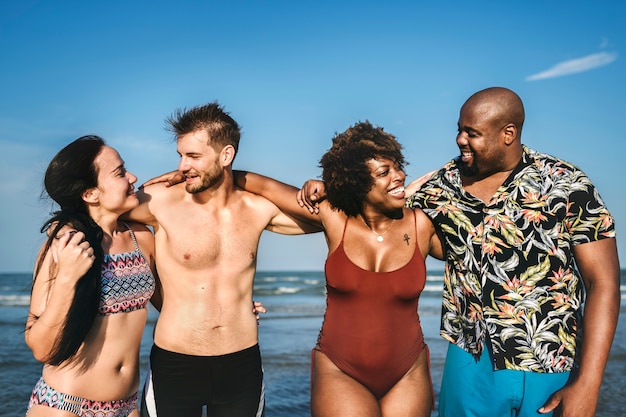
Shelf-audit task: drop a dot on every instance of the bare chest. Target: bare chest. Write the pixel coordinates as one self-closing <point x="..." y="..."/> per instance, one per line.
<point x="197" y="239"/>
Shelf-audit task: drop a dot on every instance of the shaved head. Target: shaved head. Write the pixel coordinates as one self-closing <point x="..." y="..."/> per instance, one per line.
<point x="490" y="133"/>
<point x="500" y="105"/>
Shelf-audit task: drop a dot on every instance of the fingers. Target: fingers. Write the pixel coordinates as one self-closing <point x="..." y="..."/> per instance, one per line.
<point x="312" y="206"/>
<point x="65" y="236"/>
<point x="258" y="307"/>
<point x="73" y="255"/>
<point x="149" y="182"/>
<point x="550" y="405"/>
<point x="87" y="251"/>
<point x="61" y="241"/>
<point x="73" y="245"/>
<point x="66" y="228"/>
<point x="311" y="194"/>
<point x="308" y="199"/>
<point x="83" y="248"/>
<point x="417" y="183"/>
<point x="168" y="179"/>
<point x="299" y="198"/>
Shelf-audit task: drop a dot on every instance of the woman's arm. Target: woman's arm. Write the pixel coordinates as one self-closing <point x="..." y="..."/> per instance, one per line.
<point x="279" y="193"/>
<point x="67" y="260"/>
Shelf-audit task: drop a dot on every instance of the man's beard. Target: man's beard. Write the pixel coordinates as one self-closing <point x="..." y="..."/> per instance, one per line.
<point x="465" y="169"/>
<point x="206" y="181"/>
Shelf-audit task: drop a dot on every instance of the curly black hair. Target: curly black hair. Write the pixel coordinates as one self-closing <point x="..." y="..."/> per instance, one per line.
<point x="347" y="177"/>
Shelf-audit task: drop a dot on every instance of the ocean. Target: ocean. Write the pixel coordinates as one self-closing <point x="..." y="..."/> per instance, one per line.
<point x="295" y="302"/>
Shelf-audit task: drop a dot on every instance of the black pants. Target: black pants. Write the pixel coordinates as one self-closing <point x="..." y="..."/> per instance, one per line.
<point x="228" y="385"/>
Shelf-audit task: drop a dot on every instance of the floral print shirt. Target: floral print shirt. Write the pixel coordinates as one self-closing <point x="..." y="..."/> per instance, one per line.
<point x="510" y="276"/>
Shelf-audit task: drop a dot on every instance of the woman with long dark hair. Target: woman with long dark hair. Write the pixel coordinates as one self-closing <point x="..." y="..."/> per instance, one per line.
<point x="92" y="282"/>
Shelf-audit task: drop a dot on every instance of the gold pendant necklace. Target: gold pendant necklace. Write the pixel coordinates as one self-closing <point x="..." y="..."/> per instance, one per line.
<point x="379" y="236"/>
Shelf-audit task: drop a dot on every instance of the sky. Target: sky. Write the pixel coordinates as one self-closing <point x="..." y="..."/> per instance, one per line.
<point x="293" y="73"/>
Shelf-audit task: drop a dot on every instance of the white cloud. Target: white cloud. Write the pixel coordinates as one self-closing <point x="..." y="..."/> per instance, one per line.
<point x="574" y="66"/>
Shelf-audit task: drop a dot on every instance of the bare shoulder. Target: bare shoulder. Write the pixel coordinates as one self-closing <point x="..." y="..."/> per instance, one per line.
<point x="423" y="222"/>
<point x="255" y="202"/>
<point x="330" y="216"/>
<point x="420" y="216"/>
<point x="333" y="222"/>
<point x="160" y="192"/>
<point x="153" y="200"/>
<point x="43" y="257"/>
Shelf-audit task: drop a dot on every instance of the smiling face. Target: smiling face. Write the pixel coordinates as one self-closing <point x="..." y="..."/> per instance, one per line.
<point x="199" y="162"/>
<point x="387" y="190"/>
<point x="481" y="140"/>
<point x="115" y="190"/>
<point x="489" y="133"/>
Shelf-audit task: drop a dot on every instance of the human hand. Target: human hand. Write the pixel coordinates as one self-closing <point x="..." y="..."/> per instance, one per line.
<point x="169" y="178"/>
<point x="416" y="184"/>
<point x="573" y="400"/>
<point x="257" y="307"/>
<point x="311" y="194"/>
<point x="67" y="227"/>
<point x="73" y="256"/>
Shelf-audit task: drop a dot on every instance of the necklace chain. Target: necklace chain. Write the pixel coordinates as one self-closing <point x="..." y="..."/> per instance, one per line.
<point x="379" y="236"/>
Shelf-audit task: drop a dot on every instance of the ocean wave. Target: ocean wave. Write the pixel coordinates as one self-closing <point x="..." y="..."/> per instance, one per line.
<point x="287" y="290"/>
<point x="434" y="277"/>
<point x="433" y="288"/>
<point x="291" y="278"/>
<point x="14" y="300"/>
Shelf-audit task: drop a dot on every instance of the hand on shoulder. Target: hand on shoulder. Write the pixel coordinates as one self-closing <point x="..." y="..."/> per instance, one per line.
<point x="168" y="179"/>
<point x="416" y="184"/>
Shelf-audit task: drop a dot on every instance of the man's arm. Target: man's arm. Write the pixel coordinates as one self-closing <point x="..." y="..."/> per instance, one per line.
<point x="313" y="191"/>
<point x="311" y="194"/>
<point x="598" y="264"/>
<point x="282" y="196"/>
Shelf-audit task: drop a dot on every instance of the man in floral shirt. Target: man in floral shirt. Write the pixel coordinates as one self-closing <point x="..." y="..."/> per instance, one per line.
<point x="527" y="237"/>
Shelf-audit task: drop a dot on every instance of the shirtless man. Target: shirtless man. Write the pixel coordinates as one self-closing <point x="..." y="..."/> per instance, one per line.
<point x="207" y="232"/>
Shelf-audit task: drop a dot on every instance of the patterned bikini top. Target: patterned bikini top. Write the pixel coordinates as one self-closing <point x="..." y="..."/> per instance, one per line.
<point x="127" y="281"/>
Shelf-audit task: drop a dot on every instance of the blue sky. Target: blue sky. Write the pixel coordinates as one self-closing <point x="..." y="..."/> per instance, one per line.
<point x="293" y="73"/>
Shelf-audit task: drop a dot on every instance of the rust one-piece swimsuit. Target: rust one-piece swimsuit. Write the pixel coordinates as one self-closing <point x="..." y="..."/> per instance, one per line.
<point x="371" y="329"/>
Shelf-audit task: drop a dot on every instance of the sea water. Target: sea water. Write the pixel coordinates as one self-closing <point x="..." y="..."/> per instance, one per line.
<point x="288" y="331"/>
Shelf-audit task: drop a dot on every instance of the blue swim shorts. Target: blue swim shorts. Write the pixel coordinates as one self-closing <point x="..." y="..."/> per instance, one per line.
<point x="471" y="388"/>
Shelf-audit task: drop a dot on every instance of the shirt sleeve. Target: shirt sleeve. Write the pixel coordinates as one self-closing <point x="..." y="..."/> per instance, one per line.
<point x="588" y="218"/>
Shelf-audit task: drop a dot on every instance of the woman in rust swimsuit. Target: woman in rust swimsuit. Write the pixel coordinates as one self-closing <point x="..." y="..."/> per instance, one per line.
<point x="370" y="358"/>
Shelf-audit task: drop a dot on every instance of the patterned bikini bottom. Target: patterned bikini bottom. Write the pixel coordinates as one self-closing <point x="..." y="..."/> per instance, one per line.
<point x="44" y="394"/>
